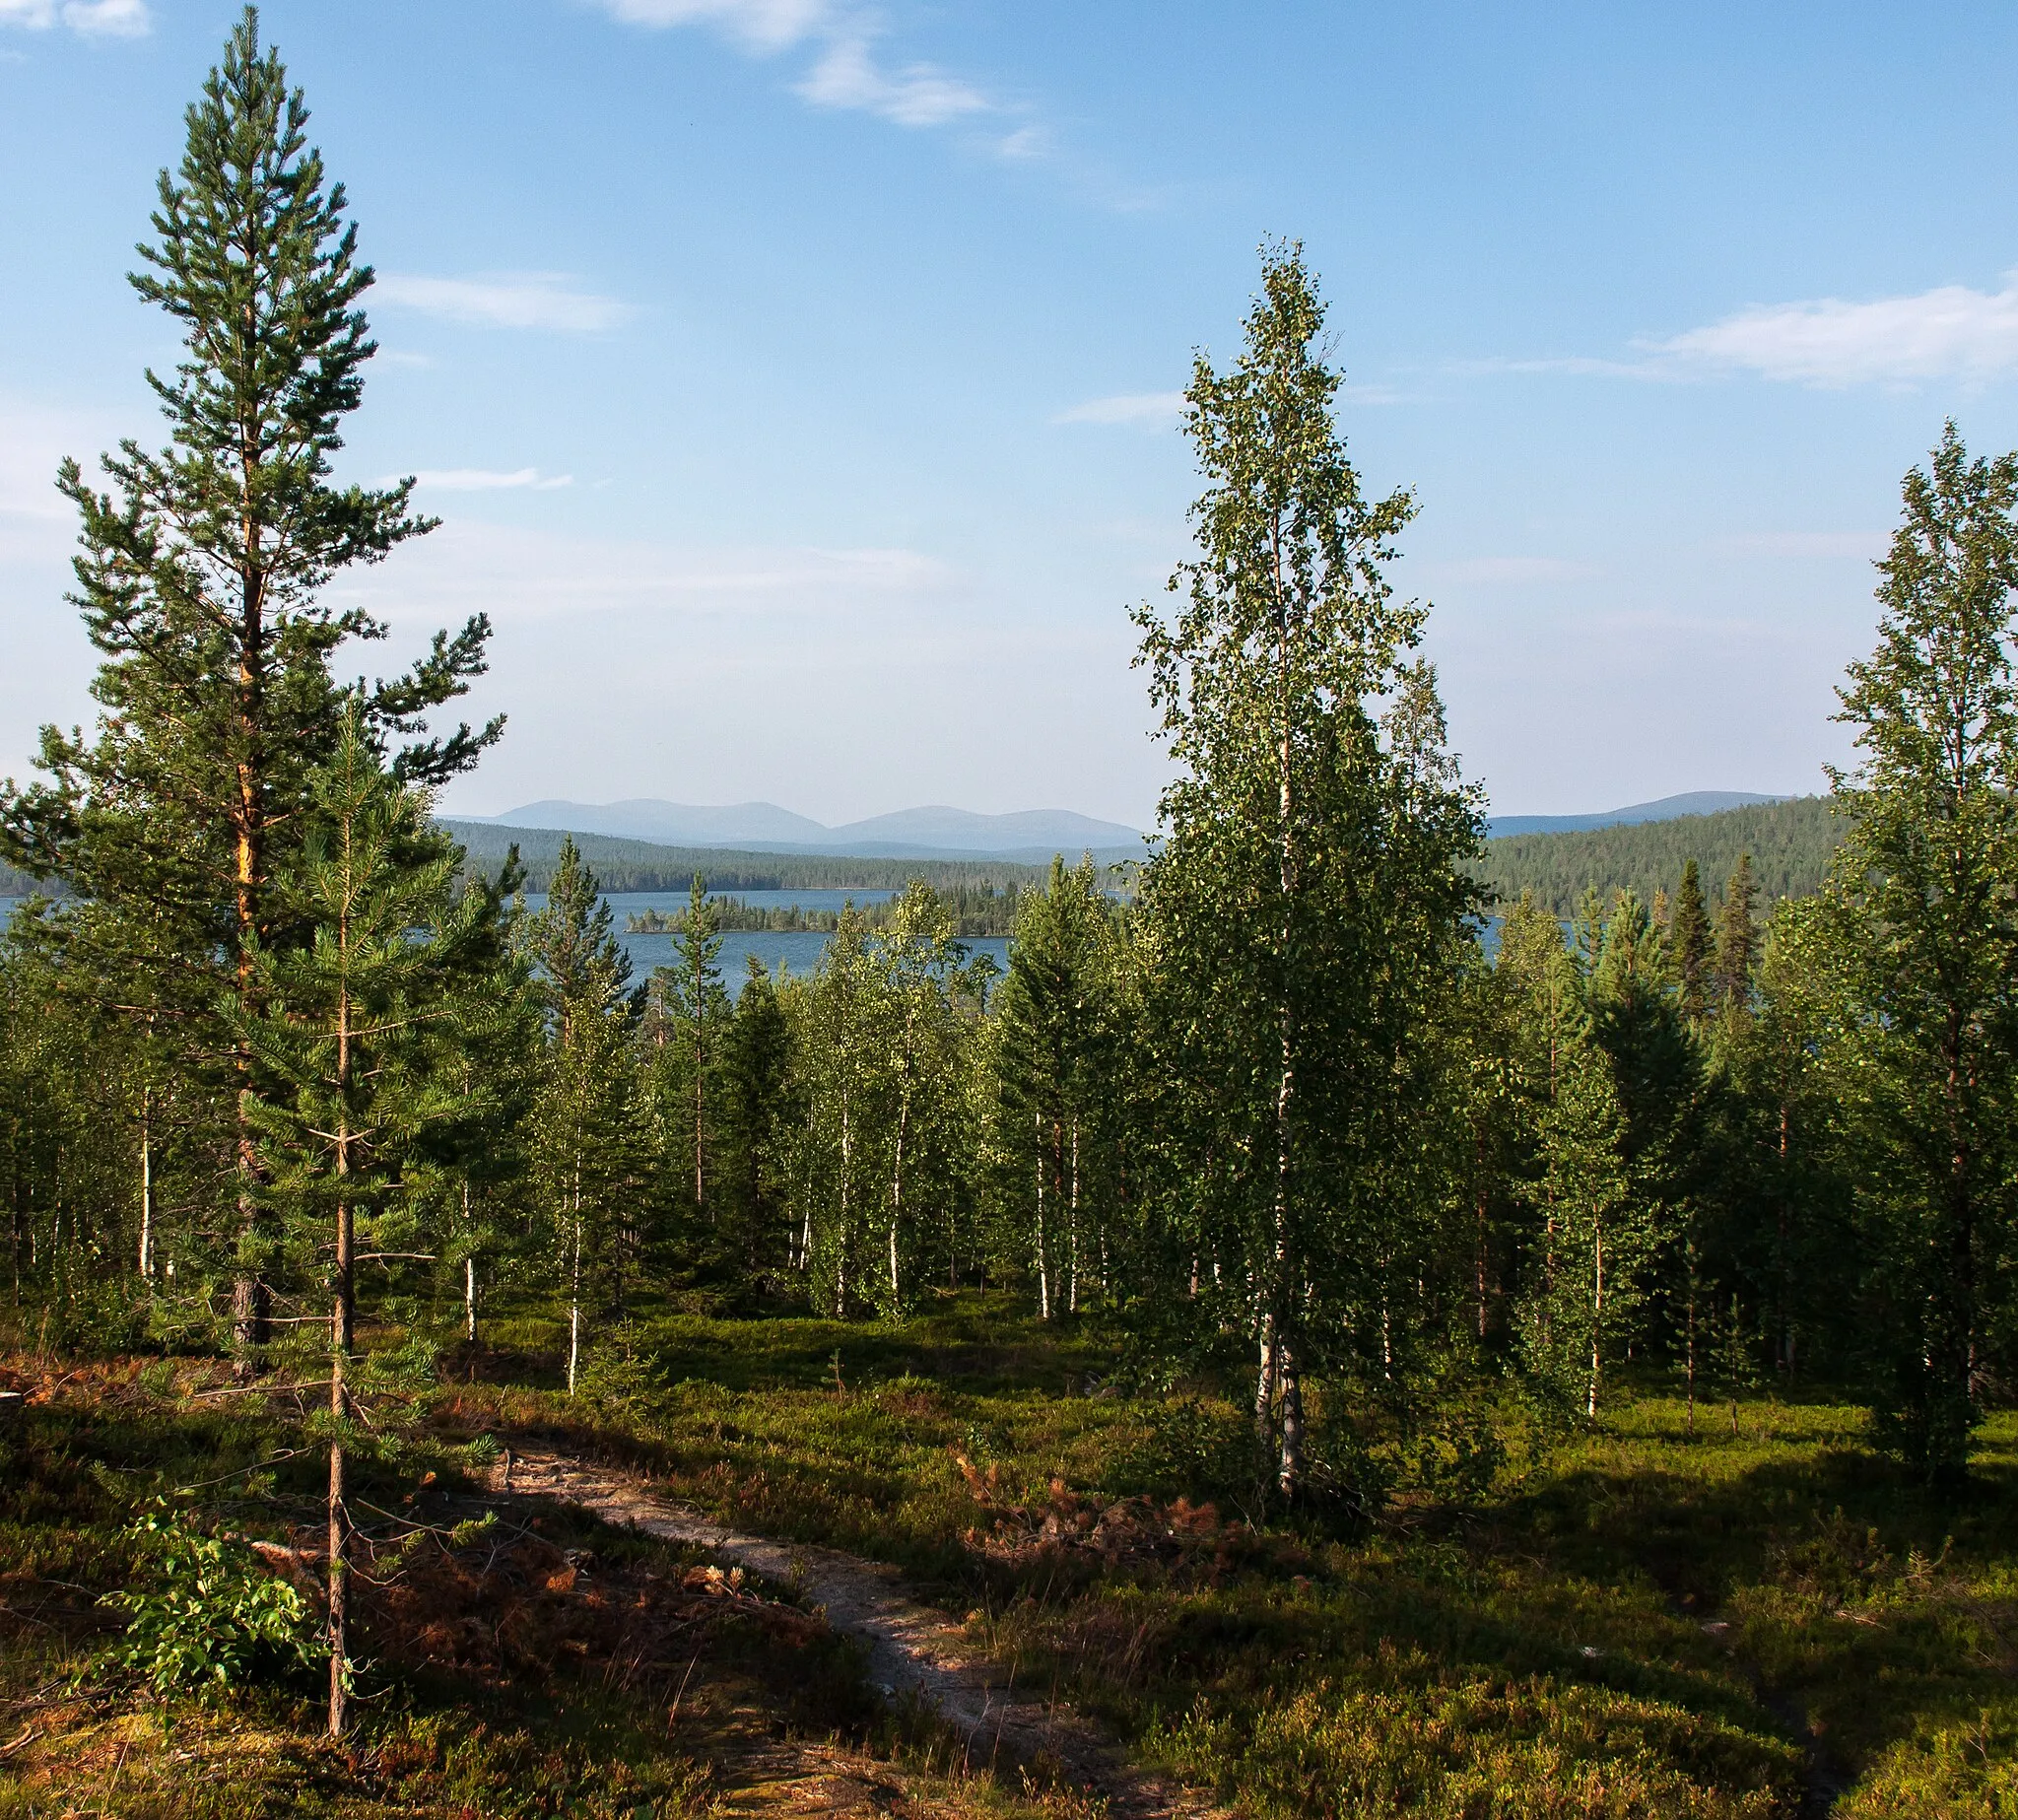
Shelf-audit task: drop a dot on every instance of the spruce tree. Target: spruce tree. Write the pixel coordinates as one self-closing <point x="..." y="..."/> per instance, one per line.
<point x="1688" y="944"/>
<point x="1738" y="942"/>
<point x="1054" y="1055"/>
<point x="201" y="578"/>
<point x="760" y="1112"/>
<point x="1922" y="919"/>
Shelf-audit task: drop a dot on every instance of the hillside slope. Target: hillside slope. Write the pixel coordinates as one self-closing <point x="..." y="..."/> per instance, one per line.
<point x="1791" y="844"/>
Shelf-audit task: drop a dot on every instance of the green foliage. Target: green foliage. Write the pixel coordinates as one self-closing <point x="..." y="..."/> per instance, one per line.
<point x="1305" y="922"/>
<point x="646" y="866"/>
<point x="1790" y="842"/>
<point x="1921" y="916"/>
<point x="618" y="1377"/>
<point x="213" y="1619"/>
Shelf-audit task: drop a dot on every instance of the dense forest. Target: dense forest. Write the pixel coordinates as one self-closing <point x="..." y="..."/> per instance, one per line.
<point x="642" y="865"/>
<point x="1790" y="845"/>
<point x="291" y="1077"/>
<point x="969" y="912"/>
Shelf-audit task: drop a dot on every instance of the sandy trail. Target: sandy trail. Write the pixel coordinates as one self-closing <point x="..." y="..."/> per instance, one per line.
<point x="912" y="1649"/>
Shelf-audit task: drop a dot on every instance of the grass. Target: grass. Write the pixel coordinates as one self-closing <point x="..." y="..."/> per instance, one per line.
<point x="1641" y="1619"/>
<point x="1636" y="1620"/>
<point x="547" y="1665"/>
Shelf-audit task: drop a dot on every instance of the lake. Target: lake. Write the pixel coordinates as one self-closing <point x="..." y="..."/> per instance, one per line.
<point x="798" y="950"/>
<point x="794" y="950"/>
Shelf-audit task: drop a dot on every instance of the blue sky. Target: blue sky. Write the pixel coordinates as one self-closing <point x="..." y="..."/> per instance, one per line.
<point x="795" y="376"/>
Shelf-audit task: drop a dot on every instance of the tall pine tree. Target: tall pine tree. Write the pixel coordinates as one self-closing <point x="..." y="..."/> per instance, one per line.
<point x="201" y="578"/>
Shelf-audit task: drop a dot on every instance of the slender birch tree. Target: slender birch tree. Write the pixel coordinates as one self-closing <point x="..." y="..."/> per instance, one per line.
<point x="1311" y="898"/>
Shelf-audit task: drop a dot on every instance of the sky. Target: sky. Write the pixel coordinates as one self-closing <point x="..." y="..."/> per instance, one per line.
<point x="797" y="379"/>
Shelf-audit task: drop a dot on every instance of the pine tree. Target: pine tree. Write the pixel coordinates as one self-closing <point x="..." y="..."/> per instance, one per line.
<point x="1688" y="944"/>
<point x="200" y="579"/>
<point x="356" y="1024"/>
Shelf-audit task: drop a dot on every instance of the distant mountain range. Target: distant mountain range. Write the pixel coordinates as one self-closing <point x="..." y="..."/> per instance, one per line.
<point x="1666" y="809"/>
<point x="941" y="832"/>
<point x="936" y="831"/>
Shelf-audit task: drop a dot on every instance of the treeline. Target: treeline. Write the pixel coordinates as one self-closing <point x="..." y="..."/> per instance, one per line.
<point x="643" y="866"/>
<point x="970" y="910"/>
<point x="1790" y="845"/>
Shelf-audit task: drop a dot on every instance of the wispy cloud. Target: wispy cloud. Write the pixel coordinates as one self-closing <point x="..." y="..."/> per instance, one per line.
<point x="1952" y="332"/>
<point x="849" y="75"/>
<point x="86" y="17"/>
<point x="491" y="480"/>
<point x="1154" y="410"/>
<point x="1948" y="333"/>
<point x="505" y="300"/>
<point x="846" y="72"/>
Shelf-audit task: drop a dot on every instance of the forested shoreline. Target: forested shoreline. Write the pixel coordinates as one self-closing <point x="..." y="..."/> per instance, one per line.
<point x="295" y="1079"/>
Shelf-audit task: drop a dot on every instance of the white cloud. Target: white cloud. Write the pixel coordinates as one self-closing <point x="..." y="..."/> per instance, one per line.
<point x="1160" y="410"/>
<point x="763" y="25"/>
<point x="490" y="480"/>
<point x="847" y="76"/>
<point x="505" y="299"/>
<point x="846" y="72"/>
<point x="1952" y="332"/>
<point x="86" y="17"/>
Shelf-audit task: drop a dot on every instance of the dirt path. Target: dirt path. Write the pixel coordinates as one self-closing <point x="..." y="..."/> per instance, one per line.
<point x="912" y="1649"/>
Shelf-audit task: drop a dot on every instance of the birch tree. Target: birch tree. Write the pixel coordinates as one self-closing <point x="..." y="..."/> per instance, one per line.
<point x="1310" y="898"/>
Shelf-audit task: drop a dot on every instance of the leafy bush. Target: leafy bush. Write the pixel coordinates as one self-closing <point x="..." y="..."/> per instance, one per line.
<point x="211" y="1618"/>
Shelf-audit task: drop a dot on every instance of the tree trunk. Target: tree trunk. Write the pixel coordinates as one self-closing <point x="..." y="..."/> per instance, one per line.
<point x="469" y="1272"/>
<point x="251" y="1296"/>
<point x="1597" y="1320"/>
<point x="1072" y="1290"/>
<point x="1044" y="1275"/>
<point x="574" y="1295"/>
<point x="342" y="1339"/>
<point x="146" y="1192"/>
